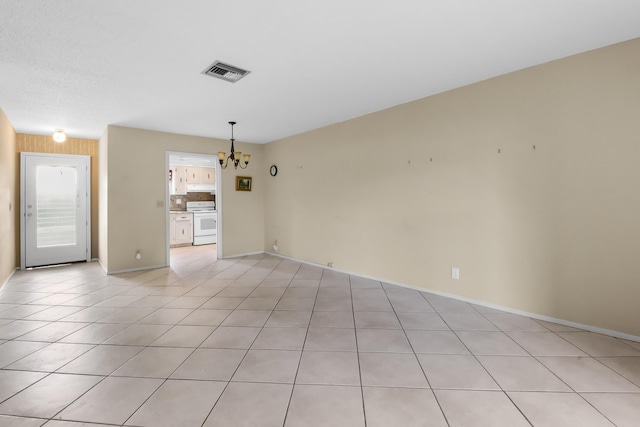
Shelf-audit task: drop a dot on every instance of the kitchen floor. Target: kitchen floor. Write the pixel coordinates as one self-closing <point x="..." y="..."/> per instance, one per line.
<point x="264" y="341"/>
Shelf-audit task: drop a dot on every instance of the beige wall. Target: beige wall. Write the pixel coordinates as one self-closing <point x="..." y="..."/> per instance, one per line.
<point x="103" y="200"/>
<point x="75" y="146"/>
<point x="8" y="200"/>
<point x="407" y="193"/>
<point x="136" y="182"/>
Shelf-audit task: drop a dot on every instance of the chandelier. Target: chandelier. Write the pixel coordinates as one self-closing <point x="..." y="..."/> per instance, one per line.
<point x="235" y="156"/>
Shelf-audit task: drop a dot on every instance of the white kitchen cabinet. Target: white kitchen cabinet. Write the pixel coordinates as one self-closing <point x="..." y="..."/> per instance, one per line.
<point x="179" y="180"/>
<point x="181" y="228"/>
<point x="192" y="178"/>
<point x="208" y="176"/>
<point x="201" y="175"/>
<point x="194" y="175"/>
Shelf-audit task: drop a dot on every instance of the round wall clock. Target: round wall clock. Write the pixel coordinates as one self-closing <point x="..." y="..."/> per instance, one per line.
<point x="273" y="170"/>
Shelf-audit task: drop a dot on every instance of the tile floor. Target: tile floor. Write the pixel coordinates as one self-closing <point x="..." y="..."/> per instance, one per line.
<point x="263" y="341"/>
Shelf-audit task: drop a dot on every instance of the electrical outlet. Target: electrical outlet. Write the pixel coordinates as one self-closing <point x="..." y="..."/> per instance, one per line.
<point x="455" y="273"/>
<point x="178" y="201"/>
<point x="329" y="264"/>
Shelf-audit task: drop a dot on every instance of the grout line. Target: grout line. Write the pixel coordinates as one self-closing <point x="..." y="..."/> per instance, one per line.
<point x="191" y="277"/>
<point x="295" y="378"/>
<point x="416" y="355"/>
<point x="355" y="332"/>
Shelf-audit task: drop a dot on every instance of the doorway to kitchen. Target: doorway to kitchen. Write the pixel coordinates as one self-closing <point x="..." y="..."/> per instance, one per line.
<point x="193" y="202"/>
<point x="55" y="211"/>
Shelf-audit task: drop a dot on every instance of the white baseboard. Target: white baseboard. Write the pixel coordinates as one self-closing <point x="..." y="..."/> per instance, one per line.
<point x="590" y="328"/>
<point x="102" y="266"/>
<point x="8" y="279"/>
<point x="129" y="270"/>
<point x="246" y="254"/>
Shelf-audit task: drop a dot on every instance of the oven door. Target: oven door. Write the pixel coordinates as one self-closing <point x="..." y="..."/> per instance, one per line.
<point x="205" y="228"/>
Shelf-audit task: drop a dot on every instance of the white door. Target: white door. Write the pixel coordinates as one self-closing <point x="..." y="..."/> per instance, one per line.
<point x="54" y="209"/>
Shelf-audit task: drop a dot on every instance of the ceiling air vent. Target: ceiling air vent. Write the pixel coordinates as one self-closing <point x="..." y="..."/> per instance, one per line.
<point x="225" y="72"/>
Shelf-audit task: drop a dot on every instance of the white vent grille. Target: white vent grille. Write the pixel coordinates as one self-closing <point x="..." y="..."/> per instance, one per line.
<point x="225" y="72"/>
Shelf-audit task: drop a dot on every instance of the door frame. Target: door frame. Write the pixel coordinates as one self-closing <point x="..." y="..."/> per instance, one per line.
<point x="23" y="200"/>
<point x="167" y="187"/>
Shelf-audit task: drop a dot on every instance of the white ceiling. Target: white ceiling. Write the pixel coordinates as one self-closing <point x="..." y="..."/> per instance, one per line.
<point x="83" y="64"/>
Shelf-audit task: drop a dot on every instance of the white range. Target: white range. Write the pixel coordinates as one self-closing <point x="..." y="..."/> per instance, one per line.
<point x="205" y="218"/>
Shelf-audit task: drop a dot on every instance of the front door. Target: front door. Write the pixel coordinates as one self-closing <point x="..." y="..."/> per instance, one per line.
<point x="54" y="209"/>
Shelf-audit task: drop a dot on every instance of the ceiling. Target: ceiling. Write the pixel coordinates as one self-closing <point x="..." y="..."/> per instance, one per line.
<point x="83" y="64"/>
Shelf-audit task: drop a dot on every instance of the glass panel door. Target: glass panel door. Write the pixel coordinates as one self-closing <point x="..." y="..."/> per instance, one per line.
<point x="56" y="202"/>
<point x="55" y="208"/>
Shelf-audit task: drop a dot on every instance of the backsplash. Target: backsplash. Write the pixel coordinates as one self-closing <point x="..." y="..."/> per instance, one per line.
<point x="189" y="197"/>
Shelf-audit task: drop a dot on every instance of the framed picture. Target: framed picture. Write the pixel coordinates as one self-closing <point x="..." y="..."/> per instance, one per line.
<point x="243" y="183"/>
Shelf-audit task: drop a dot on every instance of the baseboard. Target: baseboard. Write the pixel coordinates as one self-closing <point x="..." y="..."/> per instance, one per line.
<point x="246" y="254"/>
<point x="102" y="266"/>
<point x="537" y="316"/>
<point x="8" y="278"/>
<point x="129" y="270"/>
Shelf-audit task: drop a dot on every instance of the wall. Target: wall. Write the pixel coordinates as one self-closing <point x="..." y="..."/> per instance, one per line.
<point x="75" y="146"/>
<point x="8" y="200"/>
<point x="103" y="200"/>
<point x="136" y="191"/>
<point x="527" y="182"/>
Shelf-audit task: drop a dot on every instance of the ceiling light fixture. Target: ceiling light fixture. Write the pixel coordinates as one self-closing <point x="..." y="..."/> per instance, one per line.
<point x="59" y="136"/>
<point x="235" y="156"/>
